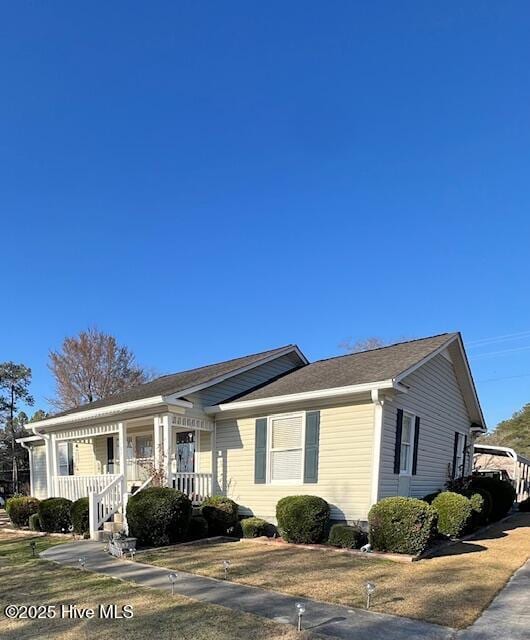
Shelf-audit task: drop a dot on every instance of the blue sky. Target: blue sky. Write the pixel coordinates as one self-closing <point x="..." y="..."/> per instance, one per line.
<point x="208" y="179"/>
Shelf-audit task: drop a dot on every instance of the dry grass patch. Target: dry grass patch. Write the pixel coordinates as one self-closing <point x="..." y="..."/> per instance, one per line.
<point x="450" y="590"/>
<point x="27" y="580"/>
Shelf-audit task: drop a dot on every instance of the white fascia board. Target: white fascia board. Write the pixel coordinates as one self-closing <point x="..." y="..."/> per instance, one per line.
<point x="110" y="410"/>
<point x="28" y="439"/>
<point x="305" y="395"/>
<point x="248" y="367"/>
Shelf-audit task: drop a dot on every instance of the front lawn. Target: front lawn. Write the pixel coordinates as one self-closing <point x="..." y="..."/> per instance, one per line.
<point x="450" y="590"/>
<point x="31" y="581"/>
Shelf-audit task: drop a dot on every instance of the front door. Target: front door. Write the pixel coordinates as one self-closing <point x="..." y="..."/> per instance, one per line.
<point x="185" y="451"/>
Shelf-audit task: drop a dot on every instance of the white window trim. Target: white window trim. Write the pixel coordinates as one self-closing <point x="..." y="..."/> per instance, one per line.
<point x="408" y="472"/>
<point x="268" y="478"/>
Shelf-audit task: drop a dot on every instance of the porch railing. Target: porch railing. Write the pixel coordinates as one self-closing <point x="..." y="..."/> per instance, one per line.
<point x="75" y="487"/>
<point x="197" y="486"/>
<point x="102" y="505"/>
<point x="137" y="469"/>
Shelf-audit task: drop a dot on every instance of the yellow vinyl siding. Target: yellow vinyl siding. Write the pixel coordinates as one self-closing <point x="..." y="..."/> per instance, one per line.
<point x="344" y="470"/>
<point x="204" y="452"/>
<point x="84" y="459"/>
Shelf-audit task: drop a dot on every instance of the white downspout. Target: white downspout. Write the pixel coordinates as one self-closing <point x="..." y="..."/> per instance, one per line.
<point x="378" y="402"/>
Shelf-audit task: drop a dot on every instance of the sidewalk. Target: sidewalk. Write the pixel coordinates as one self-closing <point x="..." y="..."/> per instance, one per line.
<point x="508" y="616"/>
<point x="324" y="619"/>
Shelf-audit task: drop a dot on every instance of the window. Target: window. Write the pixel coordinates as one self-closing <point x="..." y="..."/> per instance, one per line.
<point x="65" y="455"/>
<point x="286" y="454"/>
<point x="407" y="444"/>
<point x="460" y="448"/>
<point x="144" y="447"/>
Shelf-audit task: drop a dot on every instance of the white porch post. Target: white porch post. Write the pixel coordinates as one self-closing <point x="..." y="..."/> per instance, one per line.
<point x="122" y="449"/>
<point x="49" y="466"/>
<point x="167" y="447"/>
<point x="157" y="441"/>
<point x="54" y="466"/>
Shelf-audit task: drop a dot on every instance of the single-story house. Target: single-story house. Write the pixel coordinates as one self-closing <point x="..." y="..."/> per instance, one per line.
<point x="397" y="420"/>
<point x="505" y="463"/>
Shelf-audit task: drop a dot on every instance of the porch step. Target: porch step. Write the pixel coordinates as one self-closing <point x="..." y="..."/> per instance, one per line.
<point x="112" y="527"/>
<point x="118" y="518"/>
<point x="4" y="519"/>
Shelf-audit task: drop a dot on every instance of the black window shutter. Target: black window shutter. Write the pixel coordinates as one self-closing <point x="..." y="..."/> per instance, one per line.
<point x="70" y="452"/>
<point x="397" y="450"/>
<point x="260" y="456"/>
<point x="416" y="441"/>
<point x="464" y="456"/>
<point x="312" y="433"/>
<point x="455" y="451"/>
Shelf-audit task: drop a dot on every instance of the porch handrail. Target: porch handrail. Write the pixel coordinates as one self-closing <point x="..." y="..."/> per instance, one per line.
<point x="197" y="486"/>
<point x="75" y="487"/>
<point x="105" y="504"/>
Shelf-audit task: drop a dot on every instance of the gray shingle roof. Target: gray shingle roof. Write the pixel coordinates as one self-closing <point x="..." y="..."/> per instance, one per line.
<point x="176" y="382"/>
<point x="375" y="365"/>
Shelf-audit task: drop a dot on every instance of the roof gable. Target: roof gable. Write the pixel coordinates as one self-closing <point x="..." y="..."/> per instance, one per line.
<point x="188" y="381"/>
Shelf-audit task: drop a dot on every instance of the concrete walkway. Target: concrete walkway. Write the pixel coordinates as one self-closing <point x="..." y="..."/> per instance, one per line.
<point x="325" y="619"/>
<point x="508" y="616"/>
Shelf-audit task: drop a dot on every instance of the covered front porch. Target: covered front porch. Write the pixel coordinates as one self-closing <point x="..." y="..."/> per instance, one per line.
<point x="108" y="462"/>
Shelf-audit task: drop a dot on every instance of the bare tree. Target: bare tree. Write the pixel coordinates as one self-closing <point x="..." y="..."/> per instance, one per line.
<point x="364" y="344"/>
<point x="91" y="366"/>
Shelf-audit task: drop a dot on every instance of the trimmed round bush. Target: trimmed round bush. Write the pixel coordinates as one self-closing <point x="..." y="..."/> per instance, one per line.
<point x="220" y="513"/>
<point x="255" y="527"/>
<point x="479" y="505"/>
<point x="158" y="516"/>
<point x="198" y="528"/>
<point x="54" y="515"/>
<point x="525" y="505"/>
<point x="454" y="513"/>
<point x="20" y="508"/>
<point x="79" y="515"/>
<point x="34" y="522"/>
<point x="346" y="536"/>
<point x="402" y="525"/>
<point x="303" y="519"/>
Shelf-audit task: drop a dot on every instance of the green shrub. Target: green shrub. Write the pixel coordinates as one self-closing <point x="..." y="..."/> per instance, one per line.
<point x="346" y="536"/>
<point x="158" y="516"/>
<point x="302" y="519"/>
<point x="430" y="497"/>
<point x="498" y="495"/>
<point x="220" y="513"/>
<point x="79" y="515"/>
<point x="198" y="528"/>
<point x="255" y="528"/>
<point x="479" y="504"/>
<point x="20" y="508"/>
<point x="34" y="522"/>
<point x="525" y="505"/>
<point x="401" y="525"/>
<point x="454" y="513"/>
<point x="54" y="515"/>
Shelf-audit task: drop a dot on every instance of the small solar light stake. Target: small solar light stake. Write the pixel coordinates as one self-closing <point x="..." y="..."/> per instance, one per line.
<point x="370" y="590"/>
<point x="33" y="545"/>
<point x="132" y="552"/>
<point x="82" y="562"/>
<point x="226" y="566"/>
<point x="172" y="577"/>
<point x="300" y="610"/>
